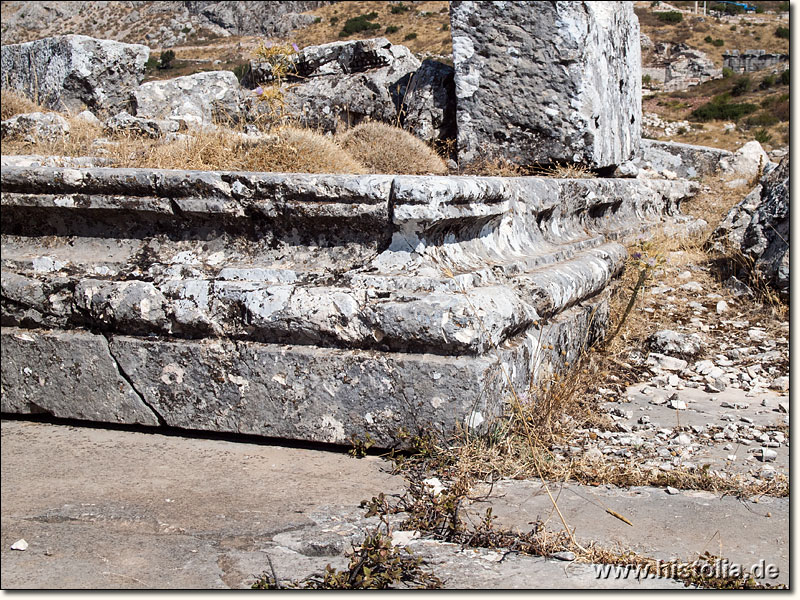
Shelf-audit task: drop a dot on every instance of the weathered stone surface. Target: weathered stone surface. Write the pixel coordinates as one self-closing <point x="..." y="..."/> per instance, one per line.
<point x="684" y="160"/>
<point x="126" y="123"/>
<point x="73" y="72"/>
<point x="429" y="103"/>
<point x="35" y="127"/>
<point x="321" y="307"/>
<point x="673" y="343"/>
<point x="759" y="228"/>
<point x="195" y="100"/>
<point x="345" y="82"/>
<point x="746" y="161"/>
<point x="539" y="82"/>
<point x="67" y="374"/>
<point x="256" y="18"/>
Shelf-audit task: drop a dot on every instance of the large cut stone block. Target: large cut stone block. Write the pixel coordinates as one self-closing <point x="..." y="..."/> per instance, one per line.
<point x="67" y="374"/>
<point x="73" y="72"/>
<point x="543" y="82"/>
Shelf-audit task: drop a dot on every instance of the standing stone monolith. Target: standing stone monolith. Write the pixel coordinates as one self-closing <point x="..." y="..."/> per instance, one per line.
<point x="546" y="82"/>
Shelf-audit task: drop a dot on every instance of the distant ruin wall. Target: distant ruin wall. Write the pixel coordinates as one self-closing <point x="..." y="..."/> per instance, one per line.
<point x="753" y="60"/>
<point x="310" y="307"/>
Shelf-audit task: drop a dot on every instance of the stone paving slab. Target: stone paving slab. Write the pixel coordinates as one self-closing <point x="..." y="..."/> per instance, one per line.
<point x="132" y="509"/>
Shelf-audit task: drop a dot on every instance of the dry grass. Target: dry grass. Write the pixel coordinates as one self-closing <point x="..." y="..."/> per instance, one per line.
<point x="383" y="148"/>
<point x="286" y="150"/>
<point x="15" y="104"/>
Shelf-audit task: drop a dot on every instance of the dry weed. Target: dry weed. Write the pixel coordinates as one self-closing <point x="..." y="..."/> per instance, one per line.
<point x="287" y="150"/>
<point x="15" y="103"/>
<point x="383" y="148"/>
<point x="566" y="171"/>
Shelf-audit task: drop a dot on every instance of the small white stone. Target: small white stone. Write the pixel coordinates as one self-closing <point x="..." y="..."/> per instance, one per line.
<point x="672" y="491"/>
<point x="21" y="545"/>
<point x="722" y="307"/>
<point x="768" y="455"/>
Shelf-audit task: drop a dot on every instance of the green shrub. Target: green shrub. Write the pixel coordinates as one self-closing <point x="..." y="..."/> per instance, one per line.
<point x="727" y="72"/>
<point x="718" y="43"/>
<point x="317" y="20"/>
<point x="165" y="61"/>
<point x="391" y="29"/>
<point x="785" y="77"/>
<point x="410" y="36"/>
<point x="730" y="9"/>
<point x="721" y="108"/>
<point x="742" y="86"/>
<point x="359" y="24"/>
<point x="784" y="7"/>
<point x="399" y="8"/>
<point x="152" y="63"/>
<point x="334" y="20"/>
<point x="759" y="9"/>
<point x="768" y="82"/>
<point x="646" y="79"/>
<point x="445" y="27"/>
<point x="762" y="136"/>
<point x="672" y="16"/>
<point x="782" y="32"/>
<point x="733" y="27"/>
<point x="708" y="39"/>
<point x="762" y="119"/>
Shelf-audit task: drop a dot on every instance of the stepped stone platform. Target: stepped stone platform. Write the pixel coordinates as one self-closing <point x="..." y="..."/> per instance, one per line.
<point x="308" y="307"/>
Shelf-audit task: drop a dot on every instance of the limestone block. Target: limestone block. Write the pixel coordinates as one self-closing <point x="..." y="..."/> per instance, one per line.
<point x="67" y="374"/>
<point x="314" y="307"/>
<point x="75" y="72"/>
<point x="758" y="227"/>
<point x="429" y="104"/>
<point x="196" y="100"/>
<point x="543" y="82"/>
<point x="36" y="127"/>
<point x="685" y="160"/>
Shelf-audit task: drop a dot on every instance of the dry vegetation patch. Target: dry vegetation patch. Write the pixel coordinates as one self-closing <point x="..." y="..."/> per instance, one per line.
<point x="16" y="104"/>
<point x="387" y="149"/>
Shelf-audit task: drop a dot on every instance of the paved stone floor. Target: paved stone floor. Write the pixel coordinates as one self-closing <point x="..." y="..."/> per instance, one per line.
<point x="104" y="508"/>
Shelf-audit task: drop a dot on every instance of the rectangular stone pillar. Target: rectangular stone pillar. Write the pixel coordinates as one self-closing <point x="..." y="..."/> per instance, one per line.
<point x="545" y="82"/>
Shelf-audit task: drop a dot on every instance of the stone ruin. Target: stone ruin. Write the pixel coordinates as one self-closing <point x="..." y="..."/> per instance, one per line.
<point x="328" y="307"/>
<point x="753" y="60"/>
<point x="677" y="67"/>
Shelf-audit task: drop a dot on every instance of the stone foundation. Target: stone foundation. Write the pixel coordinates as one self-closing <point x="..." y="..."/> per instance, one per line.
<point x="310" y="307"/>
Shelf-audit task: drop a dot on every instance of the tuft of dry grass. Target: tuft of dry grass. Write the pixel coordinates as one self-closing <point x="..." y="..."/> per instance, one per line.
<point x="383" y="148"/>
<point x="15" y="103"/>
<point x="287" y="150"/>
